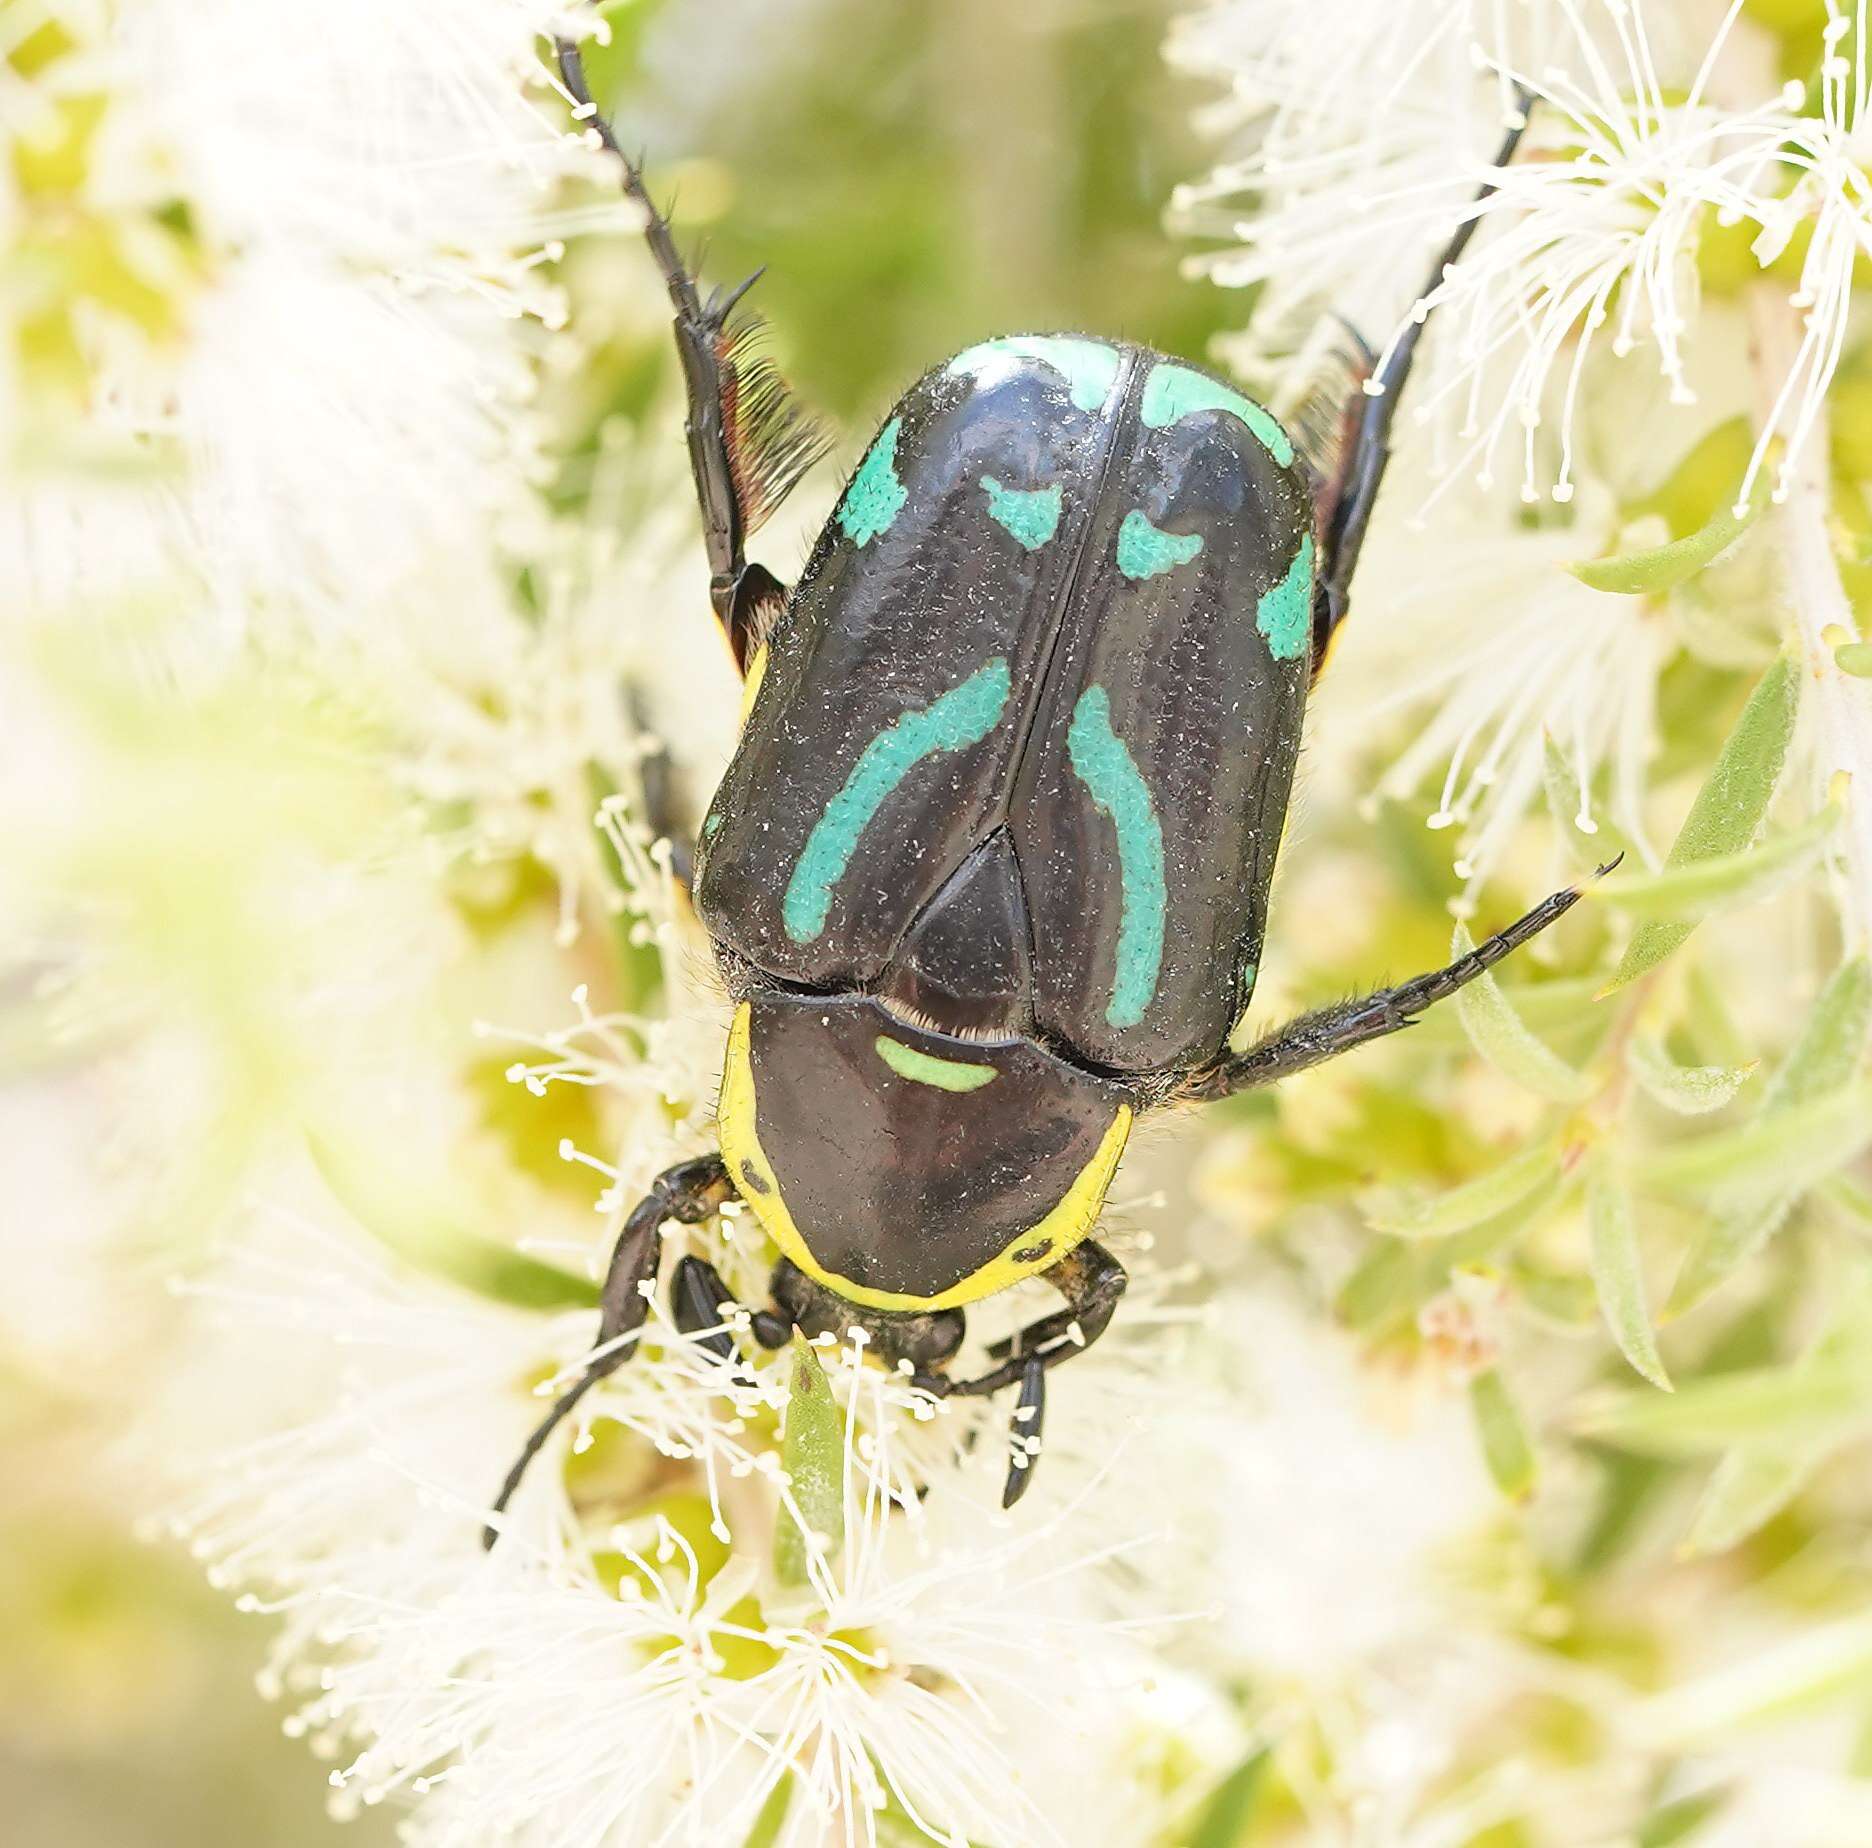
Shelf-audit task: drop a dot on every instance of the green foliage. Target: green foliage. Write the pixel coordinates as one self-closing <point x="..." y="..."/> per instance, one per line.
<point x="1507" y="1448"/>
<point x="813" y="1455"/>
<point x="1729" y="807"/>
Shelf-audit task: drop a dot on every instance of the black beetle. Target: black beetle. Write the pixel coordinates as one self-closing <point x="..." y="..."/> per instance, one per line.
<point x="989" y="872"/>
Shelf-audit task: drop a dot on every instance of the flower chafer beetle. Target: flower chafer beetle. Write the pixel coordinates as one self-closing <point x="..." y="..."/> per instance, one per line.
<point x="988" y="874"/>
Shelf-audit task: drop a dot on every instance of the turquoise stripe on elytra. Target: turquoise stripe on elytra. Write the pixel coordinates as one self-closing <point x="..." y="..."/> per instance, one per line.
<point x="1285" y="613"/>
<point x="1144" y="550"/>
<point x="1110" y="774"/>
<point x="1032" y="515"/>
<point x="1089" y="367"/>
<point x="876" y="497"/>
<point x="962" y="716"/>
<point x="1174" y="391"/>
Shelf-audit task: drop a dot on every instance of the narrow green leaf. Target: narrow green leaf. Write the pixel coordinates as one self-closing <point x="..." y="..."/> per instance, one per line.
<point x="1753" y="1482"/>
<point x="1506" y="1447"/>
<point x="1817" y="1664"/>
<point x="1729" y="807"/>
<point x="812" y="1453"/>
<point x="1832" y="1039"/>
<point x="1659" y="568"/>
<point x="378" y="1194"/>
<point x="766" y="1829"/>
<point x="1618" y="1276"/>
<point x="1470" y="1204"/>
<point x="1781" y="1405"/>
<point x="1693" y="891"/>
<point x="1673" y="1823"/>
<point x="1500" y="1035"/>
<point x="1779" y="1151"/>
<point x="1231" y="1806"/>
<point x="1689" y="1090"/>
<point x="1750" y="1486"/>
<point x="1808" y="1085"/>
<point x="1726" y="1243"/>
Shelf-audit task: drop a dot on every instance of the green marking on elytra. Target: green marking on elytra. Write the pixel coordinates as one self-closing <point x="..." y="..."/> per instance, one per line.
<point x="1174" y="391"/>
<point x="1145" y="550"/>
<point x="1285" y="613"/>
<point x="926" y="1068"/>
<point x="1112" y="779"/>
<point x="709" y="826"/>
<point x="1032" y="515"/>
<point x="876" y="497"/>
<point x="962" y="716"/>
<point x="1089" y="367"/>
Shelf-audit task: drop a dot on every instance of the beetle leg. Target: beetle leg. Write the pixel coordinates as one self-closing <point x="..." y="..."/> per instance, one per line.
<point x="1024" y="1437"/>
<point x="1350" y="497"/>
<point x="1329" y="1031"/>
<point x="747" y="447"/>
<point x="1092" y="1281"/>
<point x="689" y="1193"/>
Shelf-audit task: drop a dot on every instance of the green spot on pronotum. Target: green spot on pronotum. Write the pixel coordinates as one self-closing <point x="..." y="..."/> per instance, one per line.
<point x="1144" y="550"/>
<point x="1174" y="391"/>
<point x="926" y="1068"/>
<point x="1106" y="768"/>
<point x="1089" y="367"/>
<point x="963" y="716"/>
<point x="876" y="497"/>
<point x="1285" y="613"/>
<point x="1032" y="515"/>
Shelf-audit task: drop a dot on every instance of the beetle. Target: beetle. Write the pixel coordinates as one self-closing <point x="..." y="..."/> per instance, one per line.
<point x="988" y="874"/>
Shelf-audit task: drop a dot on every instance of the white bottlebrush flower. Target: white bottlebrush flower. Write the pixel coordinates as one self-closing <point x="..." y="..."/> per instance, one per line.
<point x="627" y="1673"/>
<point x="1506" y="660"/>
<point x="1590" y="234"/>
<point x="370" y="194"/>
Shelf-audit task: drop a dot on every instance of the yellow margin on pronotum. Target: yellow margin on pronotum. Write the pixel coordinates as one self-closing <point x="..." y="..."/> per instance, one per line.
<point x="750" y="687"/>
<point x="1065" y="1226"/>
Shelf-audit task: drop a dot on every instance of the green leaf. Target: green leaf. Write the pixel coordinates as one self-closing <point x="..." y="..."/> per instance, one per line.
<point x="378" y="1193"/>
<point x="1729" y="807"/>
<point x="1231" y="1806"/>
<point x="1832" y="1040"/>
<point x="1672" y="1823"/>
<point x="1808" y="1083"/>
<point x="1753" y="1482"/>
<point x="767" y="1825"/>
<point x="1469" y="1205"/>
<point x="812" y="1453"/>
<point x="1751" y="1485"/>
<point x="1817" y="1665"/>
<point x="1692" y="891"/>
<point x="1780" y="1405"/>
<point x="1618" y="1276"/>
<point x="1506" y="1447"/>
<point x="1688" y="1090"/>
<point x="1500" y="1035"/>
<point x="1773" y="1154"/>
<point x="1658" y="568"/>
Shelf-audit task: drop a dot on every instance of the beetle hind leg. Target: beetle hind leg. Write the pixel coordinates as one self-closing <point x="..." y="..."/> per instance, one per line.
<point x="1329" y="1031"/>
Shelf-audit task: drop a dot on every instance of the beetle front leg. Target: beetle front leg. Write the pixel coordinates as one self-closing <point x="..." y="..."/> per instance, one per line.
<point x="1329" y="1031"/>
<point x="747" y="447"/>
<point x="1092" y="1281"/>
<point x="688" y="1193"/>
